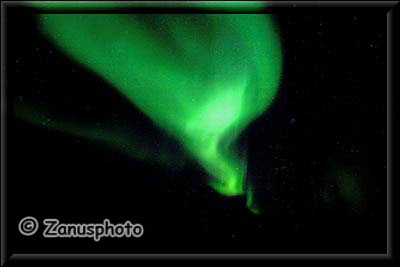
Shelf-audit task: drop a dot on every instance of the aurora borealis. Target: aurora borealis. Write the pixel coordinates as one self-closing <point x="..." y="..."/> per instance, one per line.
<point x="201" y="78"/>
<point x="221" y="127"/>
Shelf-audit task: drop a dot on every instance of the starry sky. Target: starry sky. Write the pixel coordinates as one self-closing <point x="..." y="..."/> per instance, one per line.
<point x="316" y="159"/>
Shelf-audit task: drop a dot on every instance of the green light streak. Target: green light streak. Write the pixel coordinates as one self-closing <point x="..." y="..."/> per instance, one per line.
<point x="115" y="137"/>
<point x="202" y="78"/>
<point x="250" y="202"/>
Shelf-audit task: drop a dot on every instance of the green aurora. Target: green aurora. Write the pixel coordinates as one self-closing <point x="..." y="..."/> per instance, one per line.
<point x="200" y="77"/>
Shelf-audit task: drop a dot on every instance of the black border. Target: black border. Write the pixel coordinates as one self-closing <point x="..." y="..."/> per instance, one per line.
<point x="179" y="7"/>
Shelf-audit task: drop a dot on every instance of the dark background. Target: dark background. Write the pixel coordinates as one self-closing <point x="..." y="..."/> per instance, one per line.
<point x="330" y="111"/>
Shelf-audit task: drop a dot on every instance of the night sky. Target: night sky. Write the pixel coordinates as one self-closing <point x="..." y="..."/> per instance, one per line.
<point x="316" y="158"/>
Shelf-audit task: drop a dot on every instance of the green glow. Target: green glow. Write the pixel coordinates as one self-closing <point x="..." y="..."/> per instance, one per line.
<point x="202" y="78"/>
<point x="351" y="188"/>
<point x="346" y="183"/>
